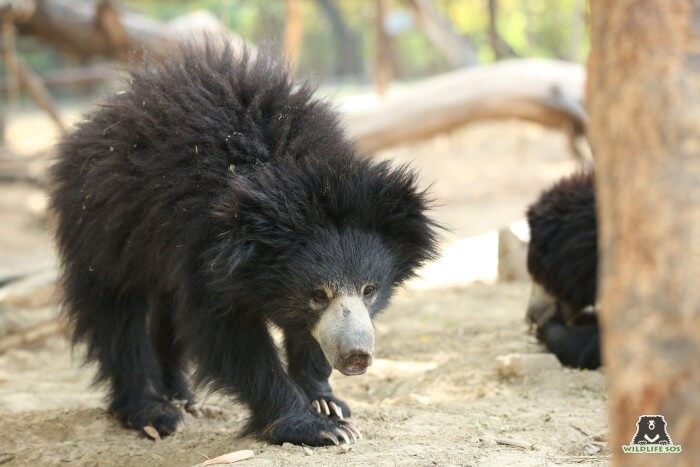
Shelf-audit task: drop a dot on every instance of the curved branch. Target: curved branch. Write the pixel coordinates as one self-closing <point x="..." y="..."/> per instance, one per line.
<point x="543" y="91"/>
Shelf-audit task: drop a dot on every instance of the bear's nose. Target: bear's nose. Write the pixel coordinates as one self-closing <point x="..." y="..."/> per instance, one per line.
<point x="355" y="363"/>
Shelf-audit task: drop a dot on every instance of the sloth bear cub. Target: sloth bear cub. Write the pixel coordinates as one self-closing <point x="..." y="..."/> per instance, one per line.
<point x="210" y="199"/>
<point x="563" y="263"/>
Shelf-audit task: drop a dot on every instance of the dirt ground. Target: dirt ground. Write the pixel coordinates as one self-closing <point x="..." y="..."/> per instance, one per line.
<point x="434" y="395"/>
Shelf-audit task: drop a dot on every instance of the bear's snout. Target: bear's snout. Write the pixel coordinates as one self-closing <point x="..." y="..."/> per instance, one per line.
<point x="346" y="335"/>
<point x="356" y="363"/>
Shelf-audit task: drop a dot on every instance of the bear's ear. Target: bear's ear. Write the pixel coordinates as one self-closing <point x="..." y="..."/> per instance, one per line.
<point x="403" y="218"/>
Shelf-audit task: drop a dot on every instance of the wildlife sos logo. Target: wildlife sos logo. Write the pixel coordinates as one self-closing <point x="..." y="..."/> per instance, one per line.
<point x="651" y="437"/>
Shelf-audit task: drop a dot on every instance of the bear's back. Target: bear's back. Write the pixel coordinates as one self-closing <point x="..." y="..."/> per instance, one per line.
<point x="135" y="182"/>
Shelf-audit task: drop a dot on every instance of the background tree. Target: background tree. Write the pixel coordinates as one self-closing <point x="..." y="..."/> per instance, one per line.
<point x="644" y="101"/>
<point x="383" y="57"/>
<point x="293" y="32"/>
<point x="501" y="48"/>
<point x="347" y="59"/>
<point x="438" y="28"/>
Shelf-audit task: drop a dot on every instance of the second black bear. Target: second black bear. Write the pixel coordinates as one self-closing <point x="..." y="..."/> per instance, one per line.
<point x="210" y="198"/>
<point x="563" y="263"/>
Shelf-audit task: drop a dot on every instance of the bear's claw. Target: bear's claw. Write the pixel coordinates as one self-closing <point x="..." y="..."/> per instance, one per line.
<point x="336" y="410"/>
<point x="348" y="433"/>
<point x="356" y="433"/>
<point x="328" y="408"/>
<point x="329" y="436"/>
<point x="343" y="435"/>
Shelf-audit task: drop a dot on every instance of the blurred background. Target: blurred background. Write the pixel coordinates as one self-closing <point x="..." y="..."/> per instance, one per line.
<point x="337" y="40"/>
<point x="433" y="73"/>
<point x="483" y="97"/>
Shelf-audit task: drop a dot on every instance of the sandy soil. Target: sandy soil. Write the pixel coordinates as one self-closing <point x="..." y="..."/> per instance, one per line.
<point x="434" y="395"/>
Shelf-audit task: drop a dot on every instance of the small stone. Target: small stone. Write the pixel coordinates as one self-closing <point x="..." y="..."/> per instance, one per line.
<point x="307" y="451"/>
<point x="516" y="365"/>
<point x="344" y="449"/>
<point x="592" y="448"/>
<point x="488" y="442"/>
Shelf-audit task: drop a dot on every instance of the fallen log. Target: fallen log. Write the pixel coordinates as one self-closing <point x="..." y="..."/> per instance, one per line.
<point x="547" y="92"/>
<point x="98" y="28"/>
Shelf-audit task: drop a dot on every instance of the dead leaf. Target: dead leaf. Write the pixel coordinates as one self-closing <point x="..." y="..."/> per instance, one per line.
<point x="231" y="457"/>
<point x="151" y="433"/>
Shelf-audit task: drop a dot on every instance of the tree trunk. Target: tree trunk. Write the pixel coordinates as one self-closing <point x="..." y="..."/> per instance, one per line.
<point x="501" y="49"/>
<point x="18" y="74"/>
<point x="9" y="49"/>
<point x="38" y="92"/>
<point x="644" y="101"/>
<point x="383" y="61"/>
<point x="457" y="48"/>
<point x="293" y="32"/>
<point x="348" y="61"/>
<point x="79" y="77"/>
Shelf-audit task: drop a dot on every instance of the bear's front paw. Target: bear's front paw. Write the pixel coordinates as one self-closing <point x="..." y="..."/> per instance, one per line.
<point x="313" y="430"/>
<point x="331" y="407"/>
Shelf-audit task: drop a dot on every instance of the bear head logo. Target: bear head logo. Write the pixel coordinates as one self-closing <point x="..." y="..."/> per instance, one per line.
<point x="651" y="429"/>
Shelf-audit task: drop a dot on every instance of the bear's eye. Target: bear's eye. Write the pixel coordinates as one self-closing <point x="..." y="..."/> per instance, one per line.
<point x="369" y="290"/>
<point x="320" y="296"/>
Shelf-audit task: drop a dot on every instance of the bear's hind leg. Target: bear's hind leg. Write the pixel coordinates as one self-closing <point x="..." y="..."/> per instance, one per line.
<point x="113" y="325"/>
<point x="309" y="368"/>
<point x="170" y="351"/>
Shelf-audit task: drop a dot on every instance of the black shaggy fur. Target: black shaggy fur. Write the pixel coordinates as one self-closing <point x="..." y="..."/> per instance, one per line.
<point x="204" y="202"/>
<point x="563" y="259"/>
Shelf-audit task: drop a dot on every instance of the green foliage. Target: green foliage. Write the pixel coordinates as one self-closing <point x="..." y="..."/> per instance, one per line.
<point x="543" y="28"/>
<point x="533" y="28"/>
